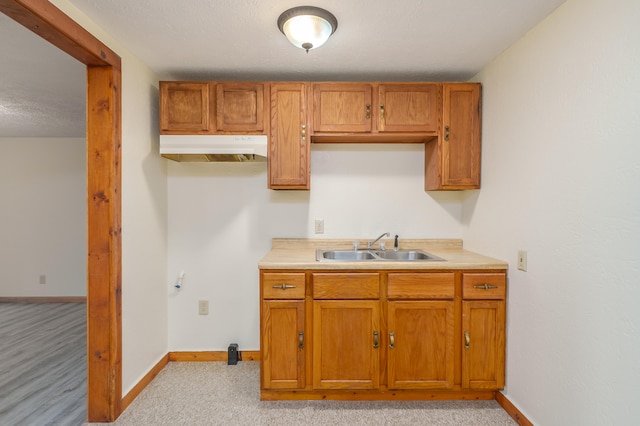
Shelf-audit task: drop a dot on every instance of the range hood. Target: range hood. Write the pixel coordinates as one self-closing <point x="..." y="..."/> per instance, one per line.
<point x="209" y="148"/>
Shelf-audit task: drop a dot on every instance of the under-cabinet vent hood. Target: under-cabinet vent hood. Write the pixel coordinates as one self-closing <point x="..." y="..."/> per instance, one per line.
<point x="209" y="148"/>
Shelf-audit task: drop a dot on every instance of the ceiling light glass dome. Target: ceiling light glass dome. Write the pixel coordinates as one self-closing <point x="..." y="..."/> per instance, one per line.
<point x="307" y="27"/>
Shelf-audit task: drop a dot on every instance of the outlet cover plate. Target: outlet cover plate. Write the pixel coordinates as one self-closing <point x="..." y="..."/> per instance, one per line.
<point x="203" y="307"/>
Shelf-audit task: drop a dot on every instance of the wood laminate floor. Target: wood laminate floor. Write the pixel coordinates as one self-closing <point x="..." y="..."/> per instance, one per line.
<point x="43" y="364"/>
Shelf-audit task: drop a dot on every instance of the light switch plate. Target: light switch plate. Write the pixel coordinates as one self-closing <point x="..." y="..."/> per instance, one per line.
<point x="522" y="260"/>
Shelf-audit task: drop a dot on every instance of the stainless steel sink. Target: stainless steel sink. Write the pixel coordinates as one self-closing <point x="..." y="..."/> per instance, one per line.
<point x="345" y="255"/>
<point x="324" y="255"/>
<point x="408" y="255"/>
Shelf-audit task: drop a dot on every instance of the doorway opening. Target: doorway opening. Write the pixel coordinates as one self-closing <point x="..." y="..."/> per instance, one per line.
<point x="104" y="246"/>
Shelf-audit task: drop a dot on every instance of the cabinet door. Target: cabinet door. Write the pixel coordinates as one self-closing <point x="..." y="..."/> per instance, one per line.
<point x="184" y="107"/>
<point x="289" y="142"/>
<point x="421" y="345"/>
<point x="240" y="107"/>
<point x="461" y="135"/>
<point x="346" y="344"/>
<point x="483" y="340"/>
<point x="342" y="107"/>
<point x="282" y="344"/>
<point x="408" y="107"/>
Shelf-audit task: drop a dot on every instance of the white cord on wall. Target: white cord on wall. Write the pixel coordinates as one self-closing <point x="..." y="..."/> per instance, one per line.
<point x="179" y="283"/>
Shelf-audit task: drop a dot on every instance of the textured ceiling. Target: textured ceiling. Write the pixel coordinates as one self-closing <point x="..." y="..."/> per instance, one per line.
<point x="42" y="89"/>
<point x="239" y="40"/>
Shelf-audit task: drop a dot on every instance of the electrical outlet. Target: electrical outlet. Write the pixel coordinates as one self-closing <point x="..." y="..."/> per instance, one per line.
<point x="203" y="307"/>
<point x="522" y="260"/>
<point x="43" y="279"/>
<point x="319" y="226"/>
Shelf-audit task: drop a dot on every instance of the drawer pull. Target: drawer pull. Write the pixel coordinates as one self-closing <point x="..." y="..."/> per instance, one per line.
<point x="284" y="286"/>
<point x="368" y="111"/>
<point x="392" y="340"/>
<point x="301" y="339"/>
<point x="485" y="286"/>
<point x="446" y="133"/>
<point x="376" y="340"/>
<point x="381" y="111"/>
<point x="467" y="340"/>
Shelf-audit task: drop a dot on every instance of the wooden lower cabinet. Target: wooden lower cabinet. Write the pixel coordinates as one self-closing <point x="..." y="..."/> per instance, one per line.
<point x="282" y="330"/>
<point x="346" y="344"/>
<point x="483" y="354"/>
<point x="282" y="344"/>
<point x="370" y="334"/>
<point x="421" y="345"/>
<point x="483" y="329"/>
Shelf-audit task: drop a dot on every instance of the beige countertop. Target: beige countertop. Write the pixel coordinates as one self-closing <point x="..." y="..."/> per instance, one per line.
<point x="288" y="253"/>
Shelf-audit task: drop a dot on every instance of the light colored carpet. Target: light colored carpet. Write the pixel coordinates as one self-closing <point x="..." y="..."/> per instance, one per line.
<point x="214" y="393"/>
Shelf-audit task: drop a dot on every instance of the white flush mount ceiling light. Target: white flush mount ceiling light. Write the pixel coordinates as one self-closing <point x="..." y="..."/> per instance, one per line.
<point x="307" y="27"/>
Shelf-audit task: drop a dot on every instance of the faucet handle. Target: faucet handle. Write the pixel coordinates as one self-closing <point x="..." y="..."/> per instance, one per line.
<point x="356" y="245"/>
<point x="383" y="246"/>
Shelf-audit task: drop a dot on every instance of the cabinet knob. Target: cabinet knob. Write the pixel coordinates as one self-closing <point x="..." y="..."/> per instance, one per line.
<point x="368" y="111"/>
<point x="392" y="340"/>
<point x="467" y="340"/>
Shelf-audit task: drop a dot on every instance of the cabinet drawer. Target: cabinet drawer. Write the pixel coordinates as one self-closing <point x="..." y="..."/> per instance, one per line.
<point x="346" y="286"/>
<point x="484" y="286"/>
<point x="421" y="285"/>
<point x="283" y="285"/>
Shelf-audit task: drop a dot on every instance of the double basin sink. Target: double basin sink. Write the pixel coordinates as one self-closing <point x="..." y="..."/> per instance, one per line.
<point x="370" y="255"/>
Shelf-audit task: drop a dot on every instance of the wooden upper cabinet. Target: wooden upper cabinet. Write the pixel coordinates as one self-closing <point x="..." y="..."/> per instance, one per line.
<point x="289" y="141"/>
<point x="444" y="116"/>
<point x="375" y="112"/>
<point x="210" y="107"/>
<point x="184" y="107"/>
<point x="452" y="161"/>
<point x="408" y="107"/>
<point x="240" y="107"/>
<point x="342" y="107"/>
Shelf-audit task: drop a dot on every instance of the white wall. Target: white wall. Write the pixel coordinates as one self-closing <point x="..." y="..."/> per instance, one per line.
<point x="561" y="179"/>
<point x="222" y="218"/>
<point x="144" y="207"/>
<point x="43" y="217"/>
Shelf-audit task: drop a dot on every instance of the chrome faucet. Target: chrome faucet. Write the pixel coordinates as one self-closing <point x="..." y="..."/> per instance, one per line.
<point x="371" y="243"/>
